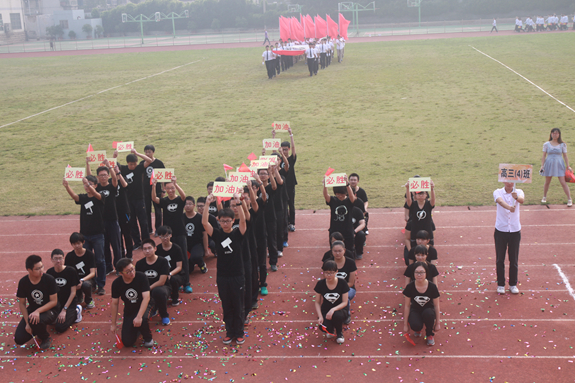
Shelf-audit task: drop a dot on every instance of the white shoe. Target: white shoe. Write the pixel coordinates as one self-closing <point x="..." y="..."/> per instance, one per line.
<point x="280" y="254"/>
<point x="544" y="200"/>
<point x="514" y="289"/>
<point x="328" y="336"/>
<point x="501" y="289"/>
<point x="78" y="314"/>
<point x="340" y="339"/>
<point x="569" y="203"/>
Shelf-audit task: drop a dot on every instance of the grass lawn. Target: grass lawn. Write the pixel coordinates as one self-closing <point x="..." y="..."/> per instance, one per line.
<point x="391" y="110"/>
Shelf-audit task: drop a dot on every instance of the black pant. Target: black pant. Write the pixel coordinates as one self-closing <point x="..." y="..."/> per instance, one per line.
<point x="255" y="273"/>
<point x="126" y="245"/>
<point x="159" y="299"/>
<point x="271" y="231"/>
<point x="231" y="291"/>
<point x="322" y="60"/>
<point x="270" y="68"/>
<point x="280" y="226"/>
<point x="181" y="241"/>
<point x="21" y="336"/>
<point x="494" y="27"/>
<point x="196" y="257"/>
<point x="138" y="211"/>
<point x="291" y="204"/>
<point x="71" y="315"/>
<point x="359" y="241"/>
<point x="112" y="239"/>
<point x="277" y="63"/>
<point x="507" y="242"/>
<point x="335" y="324"/>
<point x="262" y="263"/>
<point x="130" y="333"/>
<point x="157" y="210"/>
<point x="311" y="66"/>
<point x="84" y="293"/>
<point x="175" y="282"/>
<point x="419" y="318"/>
<point x="247" y="261"/>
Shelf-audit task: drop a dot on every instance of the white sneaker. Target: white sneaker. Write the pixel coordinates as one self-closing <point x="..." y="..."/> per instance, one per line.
<point x="328" y="336"/>
<point x="543" y="200"/>
<point x="78" y="314"/>
<point x="501" y="289"/>
<point x="280" y="254"/>
<point x="514" y="289"/>
<point x="340" y="339"/>
<point x="569" y="203"/>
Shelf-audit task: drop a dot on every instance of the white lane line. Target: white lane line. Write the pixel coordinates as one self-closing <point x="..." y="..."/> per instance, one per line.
<point x="565" y="280"/>
<point x="526" y="79"/>
<point x="98" y="93"/>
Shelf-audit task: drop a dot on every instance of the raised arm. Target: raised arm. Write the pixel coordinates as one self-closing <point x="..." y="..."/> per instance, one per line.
<point x="292" y="143"/>
<point x="277" y="175"/>
<point x="179" y="189"/>
<point x="147" y="160"/>
<point x="325" y="193"/>
<point x="112" y="173"/>
<point x="70" y="191"/>
<point x="243" y="225"/>
<point x="205" y="221"/>
<point x="432" y="194"/>
<point x="88" y="170"/>
<point x="155" y="198"/>
<point x="272" y="178"/>
<point x="90" y="190"/>
<point x="350" y="193"/>
<point x="408" y="199"/>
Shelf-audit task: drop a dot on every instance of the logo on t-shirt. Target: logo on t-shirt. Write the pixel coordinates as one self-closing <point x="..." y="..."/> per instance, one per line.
<point x="88" y="206"/>
<point x="168" y="258"/>
<point x="353" y="220"/>
<point x="80" y="266"/>
<point x="38" y="296"/>
<point x="61" y="282"/>
<point x="172" y="207"/>
<point x="105" y="193"/>
<point x="421" y="215"/>
<point x="132" y="295"/>
<point x="341" y="274"/>
<point x="340" y="212"/>
<point x="421" y="300"/>
<point x="331" y="297"/>
<point x="226" y="243"/>
<point x="129" y="178"/>
<point x="151" y="274"/>
<point x="190" y="227"/>
<point x="149" y="171"/>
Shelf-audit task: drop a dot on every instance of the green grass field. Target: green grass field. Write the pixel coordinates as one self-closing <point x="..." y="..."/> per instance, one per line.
<point x="392" y="109"/>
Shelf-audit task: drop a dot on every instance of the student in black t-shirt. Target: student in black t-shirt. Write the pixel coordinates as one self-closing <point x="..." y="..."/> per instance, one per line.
<point x="260" y="234"/>
<point x="347" y="270"/>
<point x="82" y="260"/>
<point x="200" y="206"/>
<point x="421" y="305"/>
<point x="173" y="210"/>
<point x="150" y="150"/>
<point x="92" y="225"/>
<point x="252" y="208"/>
<point x="196" y="237"/>
<point x="41" y="292"/>
<point x="290" y="177"/>
<point x="341" y="207"/>
<point x="422" y="239"/>
<point x="267" y="176"/>
<point x="212" y="207"/>
<point x="134" y="290"/>
<point x="419" y="214"/>
<point x="280" y="204"/>
<point x="420" y="255"/>
<point x="358" y="222"/>
<point x="331" y="301"/>
<point x="123" y="210"/>
<point x="173" y="254"/>
<point x="157" y="270"/>
<point x="66" y="278"/>
<point x="230" y="270"/>
<point x="336" y="236"/>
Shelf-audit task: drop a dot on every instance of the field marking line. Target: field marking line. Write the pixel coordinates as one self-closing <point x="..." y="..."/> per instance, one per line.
<point x="98" y="93"/>
<point x="526" y="79"/>
<point x="565" y="280"/>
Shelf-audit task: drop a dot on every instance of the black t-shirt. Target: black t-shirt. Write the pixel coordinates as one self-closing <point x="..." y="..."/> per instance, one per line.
<point x="421" y="218"/>
<point x="122" y="206"/>
<point x="172" y="210"/>
<point x="289" y="175"/>
<point x="155" y="270"/>
<point x="173" y="256"/>
<point x="358" y="203"/>
<point x="82" y="264"/>
<point x="282" y="197"/>
<point x="194" y="230"/>
<point x="134" y="179"/>
<point x="229" y="251"/>
<point x="432" y="272"/>
<point x="331" y="298"/>
<point x="328" y="255"/>
<point x="109" y="193"/>
<point x="360" y="193"/>
<point x="39" y="294"/>
<point x="431" y="254"/>
<point x="156" y="164"/>
<point x="270" y="211"/>
<point x="356" y="216"/>
<point x="348" y="268"/>
<point x="65" y="281"/>
<point x="131" y="293"/>
<point x="213" y="209"/>
<point x="421" y="301"/>
<point x="91" y="215"/>
<point x="340" y="216"/>
<point x="260" y="222"/>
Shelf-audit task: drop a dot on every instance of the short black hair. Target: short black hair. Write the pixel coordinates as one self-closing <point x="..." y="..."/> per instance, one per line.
<point x="201" y="200"/>
<point x="210" y="184"/>
<point x="338" y="243"/>
<point x="32" y="260"/>
<point x="122" y="264"/>
<point x="336" y="235"/>
<point x="150" y="241"/>
<point x="76" y="237"/>
<point x="100" y="168"/>
<point x="420" y="249"/>
<point x="422" y="234"/>
<point x="150" y="147"/>
<point x="131" y="158"/>
<point x="353" y="175"/>
<point x="56" y="252"/>
<point x="163" y="230"/>
<point x="220" y="179"/>
<point x="422" y="264"/>
<point x="286" y="144"/>
<point x="329" y="265"/>
<point x="226" y="212"/>
<point x="92" y="179"/>
<point x="190" y="198"/>
<point x="340" y="190"/>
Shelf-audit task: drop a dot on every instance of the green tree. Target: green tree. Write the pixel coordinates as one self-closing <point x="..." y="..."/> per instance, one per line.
<point x="55" y="31"/>
<point x="99" y="31"/>
<point x="87" y="29"/>
<point x="95" y="13"/>
<point x="241" y="22"/>
<point x="72" y="35"/>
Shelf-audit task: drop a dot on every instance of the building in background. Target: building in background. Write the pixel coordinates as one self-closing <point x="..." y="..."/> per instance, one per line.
<point x="11" y="22"/>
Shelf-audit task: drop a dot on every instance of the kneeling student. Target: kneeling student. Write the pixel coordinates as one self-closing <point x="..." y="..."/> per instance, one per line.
<point x="156" y="269"/>
<point x="66" y="278"/>
<point x="331" y="300"/>
<point x="173" y="254"/>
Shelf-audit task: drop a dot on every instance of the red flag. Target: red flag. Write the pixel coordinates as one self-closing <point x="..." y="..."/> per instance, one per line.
<point x="408" y="338"/>
<point x="244" y="168"/>
<point x="285" y="30"/>
<point x="569" y="177"/>
<point x="252" y="156"/>
<point x="289" y="53"/>
<point x="227" y="167"/>
<point x="309" y="27"/>
<point x="329" y="171"/>
<point x="37" y="344"/>
<point x="152" y="177"/>
<point x="119" y="344"/>
<point x="331" y="27"/>
<point x="115" y="144"/>
<point x="68" y="166"/>
<point x="320" y="27"/>
<point x="343" y="24"/>
<point x="297" y="30"/>
<point x="90" y="149"/>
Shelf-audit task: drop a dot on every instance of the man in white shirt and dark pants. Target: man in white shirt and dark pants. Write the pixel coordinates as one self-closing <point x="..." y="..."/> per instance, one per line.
<point x="311" y="55"/>
<point x="507" y="234"/>
<point x="268" y="57"/>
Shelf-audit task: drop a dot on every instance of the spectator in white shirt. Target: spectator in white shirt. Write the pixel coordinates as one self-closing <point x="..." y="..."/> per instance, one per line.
<point x="494" y="26"/>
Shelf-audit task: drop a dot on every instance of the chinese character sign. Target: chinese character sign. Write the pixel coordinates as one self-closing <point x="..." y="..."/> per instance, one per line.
<point x="240" y="177"/>
<point x="272" y="143"/>
<point x="112" y="162"/>
<point x="419" y="184"/>
<point x="258" y="164"/>
<point x="335" y="179"/>
<point x="281" y="125"/>
<point x="272" y="160"/>
<point x="522" y="174"/>
<point x="97" y="156"/>
<point x="164" y="175"/>
<point x="74" y="174"/>
<point x="126" y="146"/>
<point x="227" y="189"/>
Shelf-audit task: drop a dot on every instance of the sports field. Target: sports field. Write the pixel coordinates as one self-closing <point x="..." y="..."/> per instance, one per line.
<point x="437" y="108"/>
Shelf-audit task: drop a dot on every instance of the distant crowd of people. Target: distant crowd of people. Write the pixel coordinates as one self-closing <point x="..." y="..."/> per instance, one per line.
<point x="541" y="24"/>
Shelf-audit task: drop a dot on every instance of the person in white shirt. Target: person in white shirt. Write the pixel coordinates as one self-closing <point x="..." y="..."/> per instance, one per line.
<point x="329" y="50"/>
<point x="494" y="26"/>
<point x="311" y="55"/>
<point x="268" y="58"/>
<point x="564" y="20"/>
<point x="340" y="44"/>
<point x="507" y="234"/>
<point x="540" y="23"/>
<point x="529" y="24"/>
<point x="518" y="25"/>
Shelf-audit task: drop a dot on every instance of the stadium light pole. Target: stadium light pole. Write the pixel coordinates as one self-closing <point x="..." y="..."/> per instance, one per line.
<point x="156" y="17"/>
<point x="355" y="8"/>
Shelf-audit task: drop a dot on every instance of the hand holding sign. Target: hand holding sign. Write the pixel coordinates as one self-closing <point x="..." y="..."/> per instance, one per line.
<point x="336" y="179"/>
<point x="127" y="146"/>
<point x="420" y="184"/>
<point x="74" y="174"/>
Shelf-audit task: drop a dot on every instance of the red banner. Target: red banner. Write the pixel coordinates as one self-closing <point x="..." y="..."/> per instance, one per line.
<point x="285" y="32"/>
<point x="343" y="24"/>
<point x="331" y="27"/>
<point x="320" y="27"/>
<point x="309" y="27"/>
<point x="296" y="30"/>
<point x="289" y="53"/>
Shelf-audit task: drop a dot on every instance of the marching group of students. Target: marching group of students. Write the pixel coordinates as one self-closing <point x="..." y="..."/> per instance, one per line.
<point x="318" y="54"/>
<point x="541" y="24"/>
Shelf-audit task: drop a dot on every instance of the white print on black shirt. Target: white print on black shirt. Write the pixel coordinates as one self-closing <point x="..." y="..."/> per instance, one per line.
<point x="169" y="258"/>
<point x="132" y="295"/>
<point x="341" y="212"/>
<point x="129" y="178"/>
<point x="37" y="296"/>
<point x="227" y="244"/>
<point x="236" y="226"/>
<point x="190" y="227"/>
<point x="151" y="274"/>
<point x="80" y="266"/>
<point x="118" y="190"/>
<point x="341" y="274"/>
<point x="421" y="300"/>
<point x="421" y="215"/>
<point x="61" y="282"/>
<point x="172" y="207"/>
<point x="105" y="193"/>
<point x="331" y="297"/>
<point x="149" y="171"/>
<point x="88" y="207"/>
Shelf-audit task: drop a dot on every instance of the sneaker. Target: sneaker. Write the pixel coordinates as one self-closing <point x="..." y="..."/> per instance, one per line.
<point x="90" y="305"/>
<point x="247" y="321"/>
<point x="367" y="232"/>
<point x="204" y="269"/>
<point x="514" y="289"/>
<point x="264" y="290"/>
<point x="500" y="289"/>
<point x="112" y="271"/>
<point x="417" y="334"/>
<point x="280" y="254"/>
<point x="227" y="340"/>
<point x="340" y="339"/>
<point x="274" y="267"/>
<point x="101" y="291"/>
<point x="359" y="256"/>
<point x="347" y="320"/>
<point x="188" y="289"/>
<point x="569" y="203"/>
<point x="153" y="313"/>
<point x="78" y="314"/>
<point x="430" y="341"/>
<point x="329" y="336"/>
<point x="240" y="341"/>
<point x="136" y="247"/>
<point x="176" y="302"/>
<point x="149" y="343"/>
<point x="46" y="343"/>
<point x="286" y="244"/>
<point x="255" y="304"/>
<point x="165" y="321"/>
<point x="544" y="199"/>
<point x="291" y="228"/>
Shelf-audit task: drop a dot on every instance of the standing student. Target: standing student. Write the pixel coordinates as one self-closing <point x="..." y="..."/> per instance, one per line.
<point x="197" y="238"/>
<point x="322" y="53"/>
<point x="173" y="254"/>
<point x="150" y="150"/>
<point x="289" y="173"/>
<point x="341" y="206"/>
<point x="201" y="206"/>
<point x="66" y="278"/>
<point x="268" y="58"/>
<point x="419" y="214"/>
<point x="311" y="55"/>
<point x="123" y="211"/>
<point x="134" y="290"/>
<point x="230" y="270"/>
<point x="340" y="43"/>
<point x="552" y="165"/>
<point x="507" y="234"/>
<point x="494" y="27"/>
<point x="92" y="225"/>
<point x="360" y="194"/>
<point x="41" y="293"/>
<point x="266" y="37"/>
<point x="331" y="301"/>
<point x="268" y="179"/>
<point x="358" y="222"/>
<point x="83" y="261"/>
<point x="157" y="270"/>
<point x="260" y="230"/>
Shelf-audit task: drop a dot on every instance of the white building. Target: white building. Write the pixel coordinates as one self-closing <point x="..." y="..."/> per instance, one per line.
<point x="11" y="22"/>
